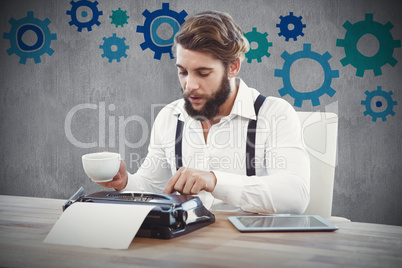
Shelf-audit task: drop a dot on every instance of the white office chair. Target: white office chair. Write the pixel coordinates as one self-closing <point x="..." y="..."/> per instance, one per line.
<point x="319" y="136"/>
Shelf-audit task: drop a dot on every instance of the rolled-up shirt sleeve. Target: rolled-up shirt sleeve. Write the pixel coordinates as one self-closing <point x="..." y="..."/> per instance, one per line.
<point x="282" y="181"/>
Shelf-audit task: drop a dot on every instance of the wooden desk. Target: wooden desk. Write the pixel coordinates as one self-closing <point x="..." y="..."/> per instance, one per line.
<point x="25" y="222"/>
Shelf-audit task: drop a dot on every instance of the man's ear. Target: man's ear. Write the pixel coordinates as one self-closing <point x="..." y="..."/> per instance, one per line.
<point x="234" y="68"/>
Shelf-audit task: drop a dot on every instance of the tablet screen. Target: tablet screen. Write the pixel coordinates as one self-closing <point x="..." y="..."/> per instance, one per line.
<point x="281" y="223"/>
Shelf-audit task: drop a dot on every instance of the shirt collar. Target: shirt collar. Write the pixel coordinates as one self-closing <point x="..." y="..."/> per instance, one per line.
<point x="244" y="102"/>
<point x="179" y="111"/>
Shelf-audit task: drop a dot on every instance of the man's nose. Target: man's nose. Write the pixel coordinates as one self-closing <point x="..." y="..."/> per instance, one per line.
<point x="192" y="83"/>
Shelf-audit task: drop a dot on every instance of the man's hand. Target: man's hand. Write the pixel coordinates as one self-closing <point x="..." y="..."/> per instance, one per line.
<point x="119" y="181"/>
<point x="191" y="181"/>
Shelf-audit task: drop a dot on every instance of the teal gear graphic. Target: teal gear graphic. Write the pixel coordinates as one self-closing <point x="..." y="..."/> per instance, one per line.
<point x="262" y="50"/>
<point x="152" y="22"/>
<point x="88" y="24"/>
<point x="43" y="41"/>
<point x="382" y="95"/>
<point x="284" y="27"/>
<point x="358" y="60"/>
<point x="313" y="95"/>
<point x="114" y="54"/>
<point x="119" y="17"/>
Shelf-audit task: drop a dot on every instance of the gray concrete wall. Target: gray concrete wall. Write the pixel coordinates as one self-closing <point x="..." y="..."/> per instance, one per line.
<point x="75" y="101"/>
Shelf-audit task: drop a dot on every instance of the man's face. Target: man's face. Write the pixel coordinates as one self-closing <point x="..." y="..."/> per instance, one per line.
<point x="204" y="81"/>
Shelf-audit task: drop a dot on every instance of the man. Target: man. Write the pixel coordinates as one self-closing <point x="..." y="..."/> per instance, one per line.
<point x="209" y="128"/>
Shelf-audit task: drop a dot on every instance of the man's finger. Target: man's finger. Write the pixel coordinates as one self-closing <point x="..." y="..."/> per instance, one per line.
<point x="186" y="186"/>
<point x="182" y="181"/>
<point x="109" y="184"/>
<point x="171" y="183"/>
<point x="198" y="186"/>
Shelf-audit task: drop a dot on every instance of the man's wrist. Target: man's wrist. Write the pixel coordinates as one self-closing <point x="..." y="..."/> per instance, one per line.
<point x="214" y="181"/>
<point x="124" y="184"/>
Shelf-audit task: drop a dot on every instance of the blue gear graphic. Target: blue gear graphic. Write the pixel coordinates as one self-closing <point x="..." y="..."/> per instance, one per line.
<point x="20" y="48"/>
<point x="262" y="50"/>
<point x="119" y="17"/>
<point x="95" y="14"/>
<point x="284" y="27"/>
<point x="358" y="60"/>
<point x="114" y="41"/>
<point x="379" y="93"/>
<point x="152" y="22"/>
<point x="316" y="94"/>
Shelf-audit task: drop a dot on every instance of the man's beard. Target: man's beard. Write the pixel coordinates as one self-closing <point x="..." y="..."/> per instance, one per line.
<point x="213" y="103"/>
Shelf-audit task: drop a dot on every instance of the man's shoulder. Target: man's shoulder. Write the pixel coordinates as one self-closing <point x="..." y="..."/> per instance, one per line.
<point x="277" y="105"/>
<point x="254" y="93"/>
<point x="277" y="101"/>
<point x="271" y="106"/>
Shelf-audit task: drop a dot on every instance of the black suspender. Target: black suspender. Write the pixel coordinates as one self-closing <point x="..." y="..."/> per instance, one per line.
<point x="177" y="148"/>
<point x="251" y="131"/>
<point x="250" y="145"/>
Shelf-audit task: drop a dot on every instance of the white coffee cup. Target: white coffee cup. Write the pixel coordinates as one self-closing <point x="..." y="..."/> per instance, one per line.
<point x="102" y="166"/>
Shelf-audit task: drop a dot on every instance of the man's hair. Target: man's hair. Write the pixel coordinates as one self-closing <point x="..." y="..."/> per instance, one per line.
<point x="213" y="32"/>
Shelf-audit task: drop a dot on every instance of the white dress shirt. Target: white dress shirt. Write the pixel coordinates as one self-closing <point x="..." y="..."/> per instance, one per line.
<point x="282" y="180"/>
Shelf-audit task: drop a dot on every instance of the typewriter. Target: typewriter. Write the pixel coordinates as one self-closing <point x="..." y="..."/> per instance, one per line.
<point x="172" y="216"/>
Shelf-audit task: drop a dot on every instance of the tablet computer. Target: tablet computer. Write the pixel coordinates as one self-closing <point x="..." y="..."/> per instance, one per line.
<point x="276" y="223"/>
